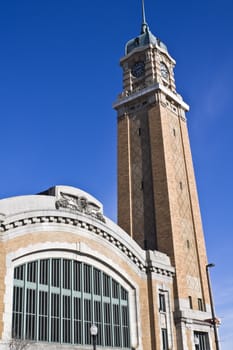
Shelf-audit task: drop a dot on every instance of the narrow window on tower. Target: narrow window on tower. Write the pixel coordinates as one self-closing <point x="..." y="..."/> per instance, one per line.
<point x="200" y="304"/>
<point x="164" y="339"/>
<point x="181" y="185"/>
<point x="174" y="132"/>
<point x="139" y="131"/>
<point x="162" y="303"/>
<point x="190" y="302"/>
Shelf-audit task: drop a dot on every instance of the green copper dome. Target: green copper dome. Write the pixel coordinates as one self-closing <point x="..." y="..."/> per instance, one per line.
<point x="144" y="39"/>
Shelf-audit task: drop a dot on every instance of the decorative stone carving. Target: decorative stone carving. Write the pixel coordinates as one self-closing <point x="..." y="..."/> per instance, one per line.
<point x="141" y="264"/>
<point x="2" y="218"/>
<point x="80" y="204"/>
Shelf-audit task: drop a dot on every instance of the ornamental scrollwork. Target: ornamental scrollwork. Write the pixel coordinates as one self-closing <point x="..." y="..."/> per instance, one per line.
<point x="80" y="204"/>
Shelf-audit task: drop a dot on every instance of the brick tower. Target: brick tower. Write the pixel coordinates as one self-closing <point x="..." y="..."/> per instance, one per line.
<point x="157" y="197"/>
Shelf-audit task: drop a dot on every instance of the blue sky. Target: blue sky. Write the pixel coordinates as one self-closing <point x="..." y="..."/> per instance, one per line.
<point x="59" y="76"/>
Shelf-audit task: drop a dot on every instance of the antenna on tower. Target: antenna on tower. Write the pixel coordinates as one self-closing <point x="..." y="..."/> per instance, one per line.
<point x="144" y="24"/>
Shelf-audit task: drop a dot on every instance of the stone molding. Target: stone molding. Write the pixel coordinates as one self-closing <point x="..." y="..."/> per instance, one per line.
<point x="145" y="265"/>
<point x="124" y="99"/>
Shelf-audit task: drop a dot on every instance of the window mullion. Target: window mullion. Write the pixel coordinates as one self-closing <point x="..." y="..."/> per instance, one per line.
<point x="24" y="301"/>
<point x="120" y="317"/>
<point x="111" y="311"/>
<point x="82" y="303"/>
<point x="37" y="299"/>
<point x="92" y="296"/>
<point x="49" y="298"/>
<point x="102" y="308"/>
<point x="61" y="300"/>
<point x="72" y="301"/>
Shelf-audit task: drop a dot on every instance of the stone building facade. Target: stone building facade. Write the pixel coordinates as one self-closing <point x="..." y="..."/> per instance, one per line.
<point x="47" y="237"/>
<point x="66" y="266"/>
<point x="157" y="196"/>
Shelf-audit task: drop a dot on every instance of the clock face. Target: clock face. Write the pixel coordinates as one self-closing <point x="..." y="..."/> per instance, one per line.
<point x="164" y="71"/>
<point x="138" y="69"/>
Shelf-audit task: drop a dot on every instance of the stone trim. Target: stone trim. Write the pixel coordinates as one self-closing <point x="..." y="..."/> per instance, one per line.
<point x="124" y="99"/>
<point x="141" y="264"/>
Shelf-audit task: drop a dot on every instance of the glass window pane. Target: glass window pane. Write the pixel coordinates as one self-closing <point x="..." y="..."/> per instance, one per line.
<point x="56" y="272"/>
<point x="162" y="303"/>
<point x="87" y="278"/>
<point x="43" y="316"/>
<point x="17" y="321"/>
<point x="59" y="309"/>
<point x="124" y="294"/>
<point x="98" y="320"/>
<point x="55" y="318"/>
<point x="66" y="319"/>
<point x="44" y="271"/>
<point x="19" y="273"/>
<point x="201" y="341"/>
<point x="106" y="285"/>
<point x="77" y="321"/>
<point x="32" y="271"/>
<point x="87" y="321"/>
<point x="30" y="332"/>
<point x="115" y="289"/>
<point x="77" y="277"/>
<point x="164" y="339"/>
<point x="97" y="281"/>
<point x="66" y="274"/>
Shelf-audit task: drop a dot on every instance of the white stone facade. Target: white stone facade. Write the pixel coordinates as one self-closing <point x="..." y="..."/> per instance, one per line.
<point x="73" y="233"/>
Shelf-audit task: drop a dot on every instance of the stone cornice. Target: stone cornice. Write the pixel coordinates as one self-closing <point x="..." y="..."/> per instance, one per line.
<point x="124" y="99"/>
<point x="192" y="317"/>
<point x="11" y="227"/>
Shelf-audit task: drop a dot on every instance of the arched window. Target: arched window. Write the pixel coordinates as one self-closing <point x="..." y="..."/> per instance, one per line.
<point x="57" y="300"/>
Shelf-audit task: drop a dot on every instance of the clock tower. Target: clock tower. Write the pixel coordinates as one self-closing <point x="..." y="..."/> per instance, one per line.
<point x="157" y="197"/>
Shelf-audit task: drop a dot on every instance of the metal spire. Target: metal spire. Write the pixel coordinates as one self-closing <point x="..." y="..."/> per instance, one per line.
<point x="143" y="13"/>
<point x="144" y="24"/>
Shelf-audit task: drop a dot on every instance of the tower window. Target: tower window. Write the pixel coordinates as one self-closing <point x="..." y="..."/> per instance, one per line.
<point x="162" y="302"/>
<point x="60" y="304"/>
<point x="200" y="304"/>
<point x="181" y="185"/>
<point x="190" y="302"/>
<point x="174" y="132"/>
<point x="145" y="244"/>
<point x="201" y="341"/>
<point x="164" y="339"/>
